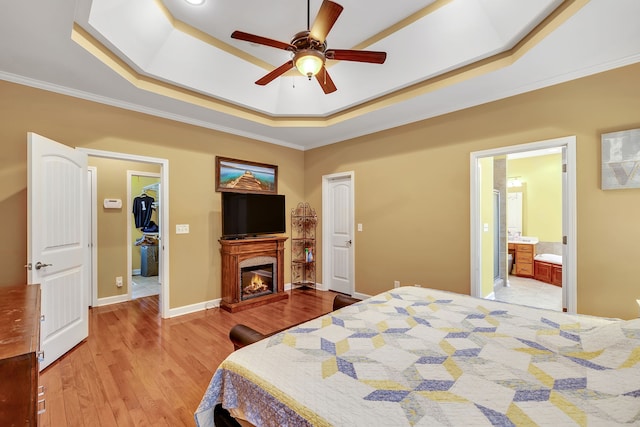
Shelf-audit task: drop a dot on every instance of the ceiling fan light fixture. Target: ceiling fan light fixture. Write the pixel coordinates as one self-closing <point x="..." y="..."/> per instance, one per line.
<point x="309" y="62"/>
<point x="309" y="49"/>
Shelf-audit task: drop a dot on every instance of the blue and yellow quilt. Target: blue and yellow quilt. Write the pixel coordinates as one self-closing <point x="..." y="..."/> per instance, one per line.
<point x="422" y="357"/>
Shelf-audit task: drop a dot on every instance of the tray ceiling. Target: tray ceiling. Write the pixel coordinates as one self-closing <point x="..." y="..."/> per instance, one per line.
<point x="176" y="60"/>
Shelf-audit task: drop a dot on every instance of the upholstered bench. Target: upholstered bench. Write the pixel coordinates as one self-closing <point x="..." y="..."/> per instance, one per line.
<point x="242" y="335"/>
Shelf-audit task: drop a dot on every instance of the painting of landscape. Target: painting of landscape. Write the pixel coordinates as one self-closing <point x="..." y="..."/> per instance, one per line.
<point x="246" y="177"/>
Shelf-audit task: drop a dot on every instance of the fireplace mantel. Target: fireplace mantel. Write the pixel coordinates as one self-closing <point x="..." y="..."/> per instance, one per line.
<point x="235" y="252"/>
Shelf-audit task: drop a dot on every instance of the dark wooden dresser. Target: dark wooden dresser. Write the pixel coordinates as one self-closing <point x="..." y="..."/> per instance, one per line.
<point x="19" y="347"/>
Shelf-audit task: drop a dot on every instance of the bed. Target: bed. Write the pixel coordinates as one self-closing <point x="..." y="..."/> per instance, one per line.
<point x="416" y="357"/>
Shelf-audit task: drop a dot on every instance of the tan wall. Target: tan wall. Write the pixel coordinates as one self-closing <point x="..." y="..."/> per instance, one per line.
<point x="412" y="189"/>
<point x="195" y="257"/>
<point x="411" y="185"/>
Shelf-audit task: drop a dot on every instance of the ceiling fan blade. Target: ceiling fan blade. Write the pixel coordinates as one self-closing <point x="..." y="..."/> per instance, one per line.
<point x="356" y="55"/>
<point x="327" y="16"/>
<point x="275" y="73"/>
<point x="325" y="81"/>
<point x="252" y="38"/>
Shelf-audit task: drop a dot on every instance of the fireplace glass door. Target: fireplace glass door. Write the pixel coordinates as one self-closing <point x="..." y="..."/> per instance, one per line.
<point x="256" y="281"/>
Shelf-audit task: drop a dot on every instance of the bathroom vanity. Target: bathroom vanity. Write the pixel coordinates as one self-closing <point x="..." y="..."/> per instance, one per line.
<point x="548" y="268"/>
<point x="523" y="251"/>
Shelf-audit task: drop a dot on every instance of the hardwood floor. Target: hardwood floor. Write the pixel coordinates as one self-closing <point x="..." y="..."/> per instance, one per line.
<point x="136" y="369"/>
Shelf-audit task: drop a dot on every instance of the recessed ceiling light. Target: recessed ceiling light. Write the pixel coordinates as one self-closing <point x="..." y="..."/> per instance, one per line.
<point x="195" y="2"/>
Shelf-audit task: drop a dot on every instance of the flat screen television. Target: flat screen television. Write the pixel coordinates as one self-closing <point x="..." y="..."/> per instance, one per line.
<point x="249" y="214"/>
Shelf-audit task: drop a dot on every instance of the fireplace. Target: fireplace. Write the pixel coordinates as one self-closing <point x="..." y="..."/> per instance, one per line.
<point x="252" y="272"/>
<point x="256" y="281"/>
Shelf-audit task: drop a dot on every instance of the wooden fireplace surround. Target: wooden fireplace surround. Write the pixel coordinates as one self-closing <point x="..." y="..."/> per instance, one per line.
<point x="233" y="253"/>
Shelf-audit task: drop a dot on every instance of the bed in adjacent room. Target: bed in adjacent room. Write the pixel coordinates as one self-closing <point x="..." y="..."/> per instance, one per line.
<point x="416" y="357"/>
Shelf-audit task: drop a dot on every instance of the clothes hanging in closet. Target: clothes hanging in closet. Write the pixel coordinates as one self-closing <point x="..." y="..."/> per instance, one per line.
<point x="142" y="210"/>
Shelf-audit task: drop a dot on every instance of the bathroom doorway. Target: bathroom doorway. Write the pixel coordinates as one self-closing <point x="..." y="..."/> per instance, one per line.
<point x="489" y="225"/>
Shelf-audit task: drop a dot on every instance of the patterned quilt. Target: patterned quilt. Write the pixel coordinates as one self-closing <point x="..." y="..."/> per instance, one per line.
<point x="422" y="357"/>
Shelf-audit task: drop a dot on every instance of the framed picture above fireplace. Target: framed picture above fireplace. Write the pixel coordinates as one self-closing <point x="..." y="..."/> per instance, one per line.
<point x="242" y="176"/>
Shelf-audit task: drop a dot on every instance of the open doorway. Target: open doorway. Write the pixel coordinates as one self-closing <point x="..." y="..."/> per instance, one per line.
<point x="521" y="223"/>
<point x="531" y="228"/>
<point x="114" y="282"/>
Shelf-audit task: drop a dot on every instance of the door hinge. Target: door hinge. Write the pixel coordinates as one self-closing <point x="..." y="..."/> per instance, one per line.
<point x="564" y="168"/>
<point x="564" y="240"/>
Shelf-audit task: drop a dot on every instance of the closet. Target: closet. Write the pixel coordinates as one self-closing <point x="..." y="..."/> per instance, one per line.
<point x="145" y="230"/>
<point x="149" y="228"/>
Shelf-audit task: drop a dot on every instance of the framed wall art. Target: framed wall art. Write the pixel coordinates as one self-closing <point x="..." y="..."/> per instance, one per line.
<point x="242" y="176"/>
<point x="621" y="160"/>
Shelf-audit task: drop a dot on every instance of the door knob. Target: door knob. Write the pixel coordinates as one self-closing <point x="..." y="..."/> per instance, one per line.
<point x="40" y="265"/>
<point x="348" y="242"/>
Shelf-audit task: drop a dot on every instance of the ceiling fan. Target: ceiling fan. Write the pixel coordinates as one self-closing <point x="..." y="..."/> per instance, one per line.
<point x="310" y="51"/>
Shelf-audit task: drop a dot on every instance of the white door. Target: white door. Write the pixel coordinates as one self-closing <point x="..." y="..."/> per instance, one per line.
<point x="338" y="214"/>
<point x="57" y="242"/>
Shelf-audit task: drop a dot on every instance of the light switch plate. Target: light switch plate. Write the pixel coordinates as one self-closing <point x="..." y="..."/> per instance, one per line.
<point x="182" y="228"/>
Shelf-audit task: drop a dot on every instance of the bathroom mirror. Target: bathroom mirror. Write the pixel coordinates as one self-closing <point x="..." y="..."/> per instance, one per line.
<point x="514" y="213"/>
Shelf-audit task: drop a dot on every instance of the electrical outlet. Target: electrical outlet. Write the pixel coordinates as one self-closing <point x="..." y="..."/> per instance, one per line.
<point x="396" y="283"/>
<point x="119" y="281"/>
<point x="182" y="228"/>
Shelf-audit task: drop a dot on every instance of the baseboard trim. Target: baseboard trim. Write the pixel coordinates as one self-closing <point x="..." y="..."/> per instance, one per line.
<point x="360" y="295"/>
<point x="187" y="309"/>
<point x="201" y="306"/>
<point x="112" y="300"/>
<point x="193" y="308"/>
<point x="174" y="312"/>
<point x="136" y="272"/>
<point x="319" y="286"/>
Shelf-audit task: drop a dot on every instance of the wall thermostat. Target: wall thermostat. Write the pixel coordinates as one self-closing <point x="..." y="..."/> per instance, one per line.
<point x="112" y="203"/>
